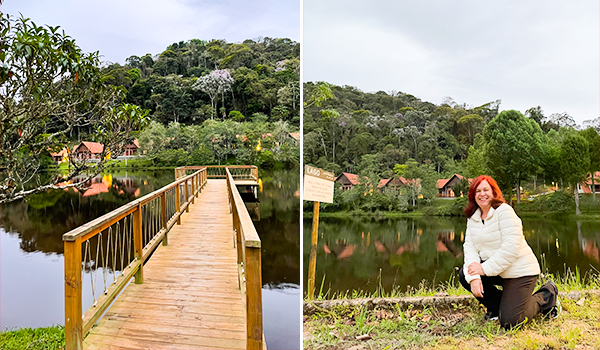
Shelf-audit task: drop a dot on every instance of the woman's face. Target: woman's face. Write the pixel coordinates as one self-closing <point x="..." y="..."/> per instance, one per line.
<point x="484" y="195"/>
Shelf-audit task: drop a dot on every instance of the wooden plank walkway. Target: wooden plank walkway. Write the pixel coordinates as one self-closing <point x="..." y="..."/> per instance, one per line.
<point x="190" y="298"/>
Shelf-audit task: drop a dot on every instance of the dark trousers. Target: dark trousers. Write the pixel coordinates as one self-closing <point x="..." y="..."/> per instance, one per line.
<point x="514" y="303"/>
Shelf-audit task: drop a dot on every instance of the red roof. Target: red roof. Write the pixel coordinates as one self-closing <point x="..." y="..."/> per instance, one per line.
<point x="442" y="182"/>
<point x="94" y="147"/>
<point x="596" y="178"/>
<point x="295" y="135"/>
<point x="59" y="154"/>
<point x="383" y="182"/>
<point x="136" y="143"/>
<point x="353" y="178"/>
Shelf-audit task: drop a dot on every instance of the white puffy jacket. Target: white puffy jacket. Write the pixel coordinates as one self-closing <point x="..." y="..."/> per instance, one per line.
<point x="499" y="242"/>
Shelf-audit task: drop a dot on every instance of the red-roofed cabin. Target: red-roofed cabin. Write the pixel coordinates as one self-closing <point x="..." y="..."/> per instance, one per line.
<point x="347" y="180"/>
<point x="88" y="150"/>
<point x="445" y="185"/>
<point x="58" y="157"/>
<point x="394" y="183"/>
<point x="586" y="186"/>
<point x="132" y="148"/>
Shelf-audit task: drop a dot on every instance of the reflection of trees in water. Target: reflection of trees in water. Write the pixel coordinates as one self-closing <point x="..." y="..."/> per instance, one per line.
<point x="353" y="253"/>
<point x="279" y="197"/>
<point x="41" y="221"/>
<point x="279" y="226"/>
<point x="564" y="243"/>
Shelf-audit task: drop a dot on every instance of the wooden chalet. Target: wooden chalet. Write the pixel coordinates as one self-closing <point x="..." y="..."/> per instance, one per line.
<point x="88" y="150"/>
<point x="132" y="148"/>
<point x="445" y="185"/>
<point x="586" y="186"/>
<point x="391" y="184"/>
<point x="60" y="156"/>
<point x="347" y="181"/>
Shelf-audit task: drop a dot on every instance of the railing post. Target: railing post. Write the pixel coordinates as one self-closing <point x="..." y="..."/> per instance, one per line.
<point x="163" y="215"/>
<point x="137" y="243"/>
<point x="73" y="307"/>
<point x="254" y="323"/>
<point x="198" y="186"/>
<point x="187" y="196"/>
<point x="193" y="188"/>
<point x="177" y="204"/>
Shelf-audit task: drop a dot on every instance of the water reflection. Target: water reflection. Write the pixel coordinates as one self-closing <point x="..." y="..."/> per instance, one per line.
<point x="364" y="254"/>
<point x="31" y="233"/>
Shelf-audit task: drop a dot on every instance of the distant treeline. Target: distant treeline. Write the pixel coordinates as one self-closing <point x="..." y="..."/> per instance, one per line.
<point x="386" y="134"/>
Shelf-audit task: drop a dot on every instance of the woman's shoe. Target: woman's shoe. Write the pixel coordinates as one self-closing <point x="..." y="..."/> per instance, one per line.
<point x="556" y="308"/>
<point x="491" y="316"/>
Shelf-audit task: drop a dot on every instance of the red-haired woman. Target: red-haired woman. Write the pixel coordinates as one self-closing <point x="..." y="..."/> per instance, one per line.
<point x="496" y="254"/>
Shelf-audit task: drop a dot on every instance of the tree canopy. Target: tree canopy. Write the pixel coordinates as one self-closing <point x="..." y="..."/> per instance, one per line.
<point x="49" y="88"/>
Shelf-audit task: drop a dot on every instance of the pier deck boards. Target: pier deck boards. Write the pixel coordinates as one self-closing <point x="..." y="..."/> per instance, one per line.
<point x="190" y="298"/>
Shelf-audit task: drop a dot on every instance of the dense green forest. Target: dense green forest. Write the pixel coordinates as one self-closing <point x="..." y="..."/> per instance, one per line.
<point x="256" y="76"/>
<point x="216" y="102"/>
<point x="386" y="134"/>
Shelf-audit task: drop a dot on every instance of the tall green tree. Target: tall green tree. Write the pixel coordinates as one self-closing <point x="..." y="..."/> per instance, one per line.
<point x="575" y="162"/>
<point x="593" y="139"/>
<point x="513" y="150"/>
<point x="410" y="171"/>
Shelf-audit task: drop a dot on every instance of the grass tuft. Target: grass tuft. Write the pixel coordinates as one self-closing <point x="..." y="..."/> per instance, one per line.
<point x="33" y="338"/>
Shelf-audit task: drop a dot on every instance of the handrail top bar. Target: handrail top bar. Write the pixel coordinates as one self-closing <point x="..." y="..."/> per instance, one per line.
<point x="251" y="238"/>
<point x="194" y="167"/>
<point x="120" y="212"/>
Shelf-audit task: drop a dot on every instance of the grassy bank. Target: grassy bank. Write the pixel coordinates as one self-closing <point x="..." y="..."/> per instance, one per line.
<point x="367" y="325"/>
<point x="33" y="338"/>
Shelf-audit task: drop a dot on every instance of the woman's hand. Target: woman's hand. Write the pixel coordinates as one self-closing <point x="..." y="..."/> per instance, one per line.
<point x="477" y="288"/>
<point x="475" y="269"/>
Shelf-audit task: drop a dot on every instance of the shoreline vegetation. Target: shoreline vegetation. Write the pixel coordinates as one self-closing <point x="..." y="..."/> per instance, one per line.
<point x="447" y="317"/>
<point x="541" y="206"/>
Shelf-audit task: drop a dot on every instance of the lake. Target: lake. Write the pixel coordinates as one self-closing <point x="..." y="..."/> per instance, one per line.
<point x="31" y="248"/>
<point x="365" y="253"/>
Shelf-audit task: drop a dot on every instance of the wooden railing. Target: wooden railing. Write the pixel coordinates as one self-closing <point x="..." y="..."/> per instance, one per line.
<point x="247" y="244"/>
<point x="249" y="262"/>
<point x="133" y="231"/>
<point x="239" y="172"/>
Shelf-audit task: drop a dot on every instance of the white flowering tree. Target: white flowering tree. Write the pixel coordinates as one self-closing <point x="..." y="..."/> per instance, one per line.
<point x="216" y="82"/>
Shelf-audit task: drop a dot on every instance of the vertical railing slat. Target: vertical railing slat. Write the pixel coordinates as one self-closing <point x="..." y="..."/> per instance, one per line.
<point x="137" y="243"/>
<point x="163" y="216"/>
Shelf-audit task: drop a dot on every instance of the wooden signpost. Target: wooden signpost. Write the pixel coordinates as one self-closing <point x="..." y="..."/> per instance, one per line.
<point x="318" y="187"/>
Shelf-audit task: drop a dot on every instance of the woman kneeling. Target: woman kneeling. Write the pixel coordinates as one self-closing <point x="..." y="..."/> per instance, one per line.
<point x="497" y="254"/>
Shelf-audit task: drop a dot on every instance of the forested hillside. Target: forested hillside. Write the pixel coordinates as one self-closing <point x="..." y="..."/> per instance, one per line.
<point x="216" y="102"/>
<point x="256" y="76"/>
<point x="385" y="134"/>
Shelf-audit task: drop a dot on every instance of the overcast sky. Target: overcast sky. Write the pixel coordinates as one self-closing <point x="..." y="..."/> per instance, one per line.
<point x="526" y="53"/>
<point x="122" y="28"/>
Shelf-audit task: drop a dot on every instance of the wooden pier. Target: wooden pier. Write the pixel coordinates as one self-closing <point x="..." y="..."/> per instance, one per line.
<point x="201" y="289"/>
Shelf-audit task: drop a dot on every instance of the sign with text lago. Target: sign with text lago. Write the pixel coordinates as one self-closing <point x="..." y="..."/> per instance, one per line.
<point x="318" y="184"/>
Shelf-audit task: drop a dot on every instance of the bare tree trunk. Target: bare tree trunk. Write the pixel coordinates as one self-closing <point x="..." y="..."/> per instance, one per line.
<point x="577" y="211"/>
<point x="593" y="187"/>
<point x="519" y="191"/>
<point x="223" y="104"/>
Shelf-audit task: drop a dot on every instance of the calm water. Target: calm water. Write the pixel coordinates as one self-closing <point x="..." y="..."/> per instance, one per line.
<point x="361" y="254"/>
<point x="31" y="256"/>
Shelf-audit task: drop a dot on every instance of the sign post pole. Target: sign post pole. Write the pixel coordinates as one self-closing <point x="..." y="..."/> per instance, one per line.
<point x="318" y="187"/>
<point x="312" y="263"/>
